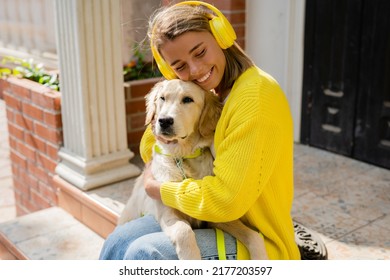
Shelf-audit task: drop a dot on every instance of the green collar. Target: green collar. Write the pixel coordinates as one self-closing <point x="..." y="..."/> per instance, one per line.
<point x="179" y="161"/>
<point x="198" y="152"/>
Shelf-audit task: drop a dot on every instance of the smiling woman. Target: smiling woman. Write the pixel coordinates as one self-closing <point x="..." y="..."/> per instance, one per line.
<point x="196" y="56"/>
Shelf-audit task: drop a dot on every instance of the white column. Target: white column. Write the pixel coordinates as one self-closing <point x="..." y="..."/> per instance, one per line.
<point x="294" y="67"/>
<point x="95" y="151"/>
<point x="275" y="41"/>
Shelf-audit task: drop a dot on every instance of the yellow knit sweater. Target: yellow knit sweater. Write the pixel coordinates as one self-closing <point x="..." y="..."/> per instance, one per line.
<point x="253" y="166"/>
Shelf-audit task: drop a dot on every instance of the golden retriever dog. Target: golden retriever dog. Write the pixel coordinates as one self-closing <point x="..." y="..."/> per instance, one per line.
<point x="183" y="118"/>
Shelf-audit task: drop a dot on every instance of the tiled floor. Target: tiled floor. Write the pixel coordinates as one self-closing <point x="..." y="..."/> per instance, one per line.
<point x="346" y="201"/>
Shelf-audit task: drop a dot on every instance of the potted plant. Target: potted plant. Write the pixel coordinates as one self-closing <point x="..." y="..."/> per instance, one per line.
<point x="26" y="68"/>
<point x="138" y="68"/>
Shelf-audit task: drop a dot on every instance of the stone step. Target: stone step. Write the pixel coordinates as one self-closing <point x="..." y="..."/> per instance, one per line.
<point x="49" y="234"/>
<point x="98" y="208"/>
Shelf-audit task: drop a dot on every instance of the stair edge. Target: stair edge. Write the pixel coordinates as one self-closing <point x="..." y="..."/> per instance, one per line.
<point x="11" y="248"/>
<point x="84" y="208"/>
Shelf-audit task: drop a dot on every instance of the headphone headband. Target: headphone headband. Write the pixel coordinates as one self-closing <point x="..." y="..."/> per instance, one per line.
<point x="221" y="29"/>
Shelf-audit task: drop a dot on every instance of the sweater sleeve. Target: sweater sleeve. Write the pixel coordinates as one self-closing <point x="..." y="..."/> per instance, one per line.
<point x="146" y="145"/>
<point x="246" y="156"/>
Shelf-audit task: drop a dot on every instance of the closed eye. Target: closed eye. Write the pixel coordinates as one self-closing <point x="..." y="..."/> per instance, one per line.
<point x="187" y="100"/>
<point x="201" y="53"/>
<point x="180" y="68"/>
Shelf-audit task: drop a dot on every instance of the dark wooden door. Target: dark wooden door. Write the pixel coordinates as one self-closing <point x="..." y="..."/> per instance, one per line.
<point x="346" y="87"/>
<point x="372" y="128"/>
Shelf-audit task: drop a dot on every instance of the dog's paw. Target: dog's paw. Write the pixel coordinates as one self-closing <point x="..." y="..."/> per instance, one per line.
<point x="188" y="254"/>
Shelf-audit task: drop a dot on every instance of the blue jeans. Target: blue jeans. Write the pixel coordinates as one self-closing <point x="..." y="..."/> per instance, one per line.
<point x="143" y="239"/>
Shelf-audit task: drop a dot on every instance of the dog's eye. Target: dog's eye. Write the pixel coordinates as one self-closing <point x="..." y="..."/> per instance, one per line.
<point x="187" y="100"/>
<point x="162" y="98"/>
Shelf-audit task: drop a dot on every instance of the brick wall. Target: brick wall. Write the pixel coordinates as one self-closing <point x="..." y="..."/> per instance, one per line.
<point x="35" y="136"/>
<point x="234" y="10"/>
<point x="2" y="83"/>
<point x="135" y="93"/>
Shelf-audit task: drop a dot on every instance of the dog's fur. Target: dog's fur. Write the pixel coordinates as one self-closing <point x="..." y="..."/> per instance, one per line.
<point x="184" y="116"/>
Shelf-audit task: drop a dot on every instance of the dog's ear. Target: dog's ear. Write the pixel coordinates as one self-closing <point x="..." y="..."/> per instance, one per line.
<point x="151" y="102"/>
<point x="210" y="114"/>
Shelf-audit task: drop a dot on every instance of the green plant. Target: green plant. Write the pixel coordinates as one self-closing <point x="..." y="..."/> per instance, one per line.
<point x="26" y="68"/>
<point x="138" y="68"/>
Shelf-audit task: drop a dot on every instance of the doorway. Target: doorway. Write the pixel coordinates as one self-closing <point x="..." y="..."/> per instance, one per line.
<point x="346" y="79"/>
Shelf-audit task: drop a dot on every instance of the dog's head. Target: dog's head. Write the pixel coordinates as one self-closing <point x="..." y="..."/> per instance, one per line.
<point x="177" y="109"/>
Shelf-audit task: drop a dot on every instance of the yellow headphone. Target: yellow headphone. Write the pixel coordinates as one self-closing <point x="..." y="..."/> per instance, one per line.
<point x="221" y="29"/>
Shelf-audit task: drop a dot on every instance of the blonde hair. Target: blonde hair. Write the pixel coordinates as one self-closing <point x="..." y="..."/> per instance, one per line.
<point x="167" y="23"/>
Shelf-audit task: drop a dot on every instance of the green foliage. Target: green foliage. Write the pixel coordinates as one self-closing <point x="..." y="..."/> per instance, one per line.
<point x="138" y="68"/>
<point x="26" y="68"/>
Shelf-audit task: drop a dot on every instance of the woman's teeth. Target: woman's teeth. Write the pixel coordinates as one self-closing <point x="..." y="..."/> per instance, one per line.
<point x="204" y="78"/>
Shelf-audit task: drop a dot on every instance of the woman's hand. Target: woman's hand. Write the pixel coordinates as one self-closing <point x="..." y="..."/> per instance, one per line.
<point x="152" y="187"/>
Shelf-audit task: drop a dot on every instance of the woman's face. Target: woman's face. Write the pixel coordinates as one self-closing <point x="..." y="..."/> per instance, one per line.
<point x="196" y="57"/>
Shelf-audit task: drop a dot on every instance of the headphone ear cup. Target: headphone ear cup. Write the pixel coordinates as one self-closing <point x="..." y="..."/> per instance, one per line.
<point x="165" y="70"/>
<point x="222" y="31"/>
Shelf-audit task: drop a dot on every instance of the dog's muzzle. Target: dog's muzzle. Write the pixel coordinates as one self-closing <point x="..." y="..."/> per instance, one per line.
<point x="166" y="125"/>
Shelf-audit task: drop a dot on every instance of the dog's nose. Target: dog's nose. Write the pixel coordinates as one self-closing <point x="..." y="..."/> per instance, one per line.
<point x="165" y="122"/>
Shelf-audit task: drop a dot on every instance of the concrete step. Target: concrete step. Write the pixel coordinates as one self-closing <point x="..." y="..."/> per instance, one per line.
<point x="49" y="234"/>
<point x="98" y="208"/>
